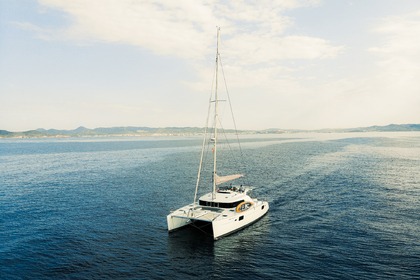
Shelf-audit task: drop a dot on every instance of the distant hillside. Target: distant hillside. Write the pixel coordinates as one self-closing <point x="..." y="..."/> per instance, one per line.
<point x="5" y="133"/>
<point x="179" y="131"/>
<point x="104" y="131"/>
<point x="391" y="127"/>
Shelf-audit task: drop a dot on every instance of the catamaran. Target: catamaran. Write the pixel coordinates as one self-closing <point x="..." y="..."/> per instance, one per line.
<point x="227" y="208"/>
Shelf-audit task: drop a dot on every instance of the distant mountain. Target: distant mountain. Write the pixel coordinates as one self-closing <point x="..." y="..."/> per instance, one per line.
<point x="5" y="133"/>
<point x="395" y="127"/>
<point x="390" y="128"/>
<point x="180" y="131"/>
<point x="102" y="131"/>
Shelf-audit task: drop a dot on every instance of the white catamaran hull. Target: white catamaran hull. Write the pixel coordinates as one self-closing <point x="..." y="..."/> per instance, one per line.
<point x="214" y="221"/>
<point x="224" y="227"/>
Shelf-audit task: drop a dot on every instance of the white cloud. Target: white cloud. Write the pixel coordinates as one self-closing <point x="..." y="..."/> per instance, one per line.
<point x="399" y="62"/>
<point x="182" y="28"/>
<point x="385" y="91"/>
<point x="401" y="34"/>
<point x="249" y="49"/>
<point x="399" y="51"/>
<point x="165" y="29"/>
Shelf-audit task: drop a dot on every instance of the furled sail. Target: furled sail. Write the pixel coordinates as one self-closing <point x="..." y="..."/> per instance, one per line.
<point x="224" y="179"/>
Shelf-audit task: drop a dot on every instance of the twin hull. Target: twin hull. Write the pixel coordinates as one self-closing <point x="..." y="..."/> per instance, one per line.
<point x="216" y="221"/>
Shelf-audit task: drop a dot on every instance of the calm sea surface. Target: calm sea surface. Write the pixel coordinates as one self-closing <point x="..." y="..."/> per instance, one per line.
<point x="342" y="206"/>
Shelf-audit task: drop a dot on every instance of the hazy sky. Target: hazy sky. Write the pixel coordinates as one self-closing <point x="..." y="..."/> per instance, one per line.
<point x="288" y="63"/>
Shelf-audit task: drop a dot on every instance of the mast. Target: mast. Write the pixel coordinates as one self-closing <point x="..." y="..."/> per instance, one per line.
<point x="216" y="103"/>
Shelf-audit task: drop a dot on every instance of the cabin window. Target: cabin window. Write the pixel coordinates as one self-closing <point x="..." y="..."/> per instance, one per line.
<point x="237" y="203"/>
<point x="241" y="218"/>
<point x="262" y="207"/>
<point x="220" y="204"/>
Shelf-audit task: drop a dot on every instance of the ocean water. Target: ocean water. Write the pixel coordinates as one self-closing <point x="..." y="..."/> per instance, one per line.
<point x="342" y="206"/>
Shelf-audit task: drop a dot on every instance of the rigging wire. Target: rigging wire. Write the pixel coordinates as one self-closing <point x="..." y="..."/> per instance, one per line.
<point x="230" y="149"/>
<point x="233" y="116"/>
<point x="200" y="168"/>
